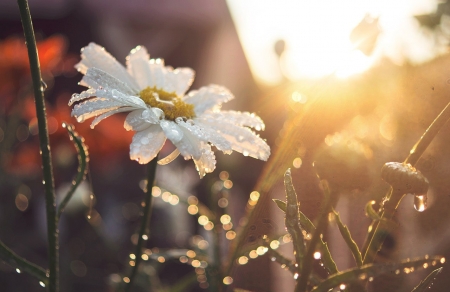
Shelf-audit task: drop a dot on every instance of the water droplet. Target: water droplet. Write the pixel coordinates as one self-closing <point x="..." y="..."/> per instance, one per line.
<point x="43" y="182"/>
<point x="43" y="85"/>
<point x="370" y="279"/>
<point x="296" y="276"/>
<point x="420" y="202"/>
<point x="18" y="271"/>
<point x="317" y="255"/>
<point x="363" y="276"/>
<point x="273" y="259"/>
<point x="342" y="286"/>
<point x="41" y="283"/>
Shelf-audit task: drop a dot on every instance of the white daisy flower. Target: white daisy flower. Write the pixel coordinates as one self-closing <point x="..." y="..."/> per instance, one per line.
<point x="159" y="109"/>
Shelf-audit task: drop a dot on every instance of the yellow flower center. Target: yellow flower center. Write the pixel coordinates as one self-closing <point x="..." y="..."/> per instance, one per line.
<point x="172" y="106"/>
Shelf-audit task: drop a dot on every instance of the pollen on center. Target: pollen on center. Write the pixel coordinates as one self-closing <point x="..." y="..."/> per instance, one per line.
<point x="172" y="106"/>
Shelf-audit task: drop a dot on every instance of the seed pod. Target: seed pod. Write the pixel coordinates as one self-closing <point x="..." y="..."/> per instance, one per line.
<point x="404" y="178"/>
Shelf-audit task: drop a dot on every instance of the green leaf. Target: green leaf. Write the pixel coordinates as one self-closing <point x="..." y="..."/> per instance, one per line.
<point x="280" y="204"/>
<point x="83" y="158"/>
<point x="292" y="220"/>
<point x="368" y="272"/>
<point x="348" y="239"/>
<point x="428" y="281"/>
<point x="309" y="227"/>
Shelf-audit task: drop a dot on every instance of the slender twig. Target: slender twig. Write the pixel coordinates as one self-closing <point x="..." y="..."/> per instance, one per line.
<point x="16" y="261"/>
<point x="144" y="232"/>
<point x="44" y="144"/>
<point x="375" y="238"/>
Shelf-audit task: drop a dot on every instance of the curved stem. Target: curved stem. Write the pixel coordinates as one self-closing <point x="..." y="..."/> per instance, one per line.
<point x="82" y="167"/>
<point x="49" y="185"/>
<point x="16" y="261"/>
<point x="375" y="238"/>
<point x="144" y="232"/>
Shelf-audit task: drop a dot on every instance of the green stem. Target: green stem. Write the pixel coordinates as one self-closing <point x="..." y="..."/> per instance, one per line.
<point x="317" y="235"/>
<point x="144" y="232"/>
<point x="52" y="221"/>
<point x="380" y="230"/>
<point x="22" y="264"/>
<point x="376" y="237"/>
<point x="82" y="167"/>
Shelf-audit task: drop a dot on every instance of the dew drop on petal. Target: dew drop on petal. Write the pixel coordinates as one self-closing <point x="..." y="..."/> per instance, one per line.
<point x="41" y="283"/>
<point x="420" y="202"/>
<point x="18" y="271"/>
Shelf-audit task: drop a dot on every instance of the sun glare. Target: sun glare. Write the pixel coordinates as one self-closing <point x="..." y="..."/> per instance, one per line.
<point x="317" y="35"/>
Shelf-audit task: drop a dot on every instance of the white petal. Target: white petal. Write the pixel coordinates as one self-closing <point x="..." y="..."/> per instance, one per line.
<point x="140" y="119"/>
<point x="207" y="134"/>
<point x="93" y="107"/>
<point x="178" y="80"/>
<point x="146" y="144"/>
<point x="240" y="118"/>
<point x="208" y="98"/>
<point x="169" y="158"/>
<point x="242" y="139"/>
<point x="155" y="77"/>
<point x="96" y="78"/>
<point x="207" y="162"/>
<point x="125" y="99"/>
<point x="153" y="73"/>
<point x="95" y="56"/>
<point x="138" y="66"/>
<point x="101" y="117"/>
<point x="183" y="139"/>
<point x="85" y="94"/>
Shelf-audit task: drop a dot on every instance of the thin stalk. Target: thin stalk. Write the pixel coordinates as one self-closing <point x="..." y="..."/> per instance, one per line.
<point x="144" y="232"/>
<point x="321" y="225"/>
<point x="16" y="261"/>
<point x="375" y="238"/>
<point x="82" y="167"/>
<point x="49" y="185"/>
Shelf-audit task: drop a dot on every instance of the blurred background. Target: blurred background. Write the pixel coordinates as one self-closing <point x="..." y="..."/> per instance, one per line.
<point x="347" y="85"/>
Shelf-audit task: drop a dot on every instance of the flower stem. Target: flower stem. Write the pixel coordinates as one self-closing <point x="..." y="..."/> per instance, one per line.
<point x="144" y="232"/>
<point x="44" y="144"/>
<point x="22" y="264"/>
<point x="377" y="235"/>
